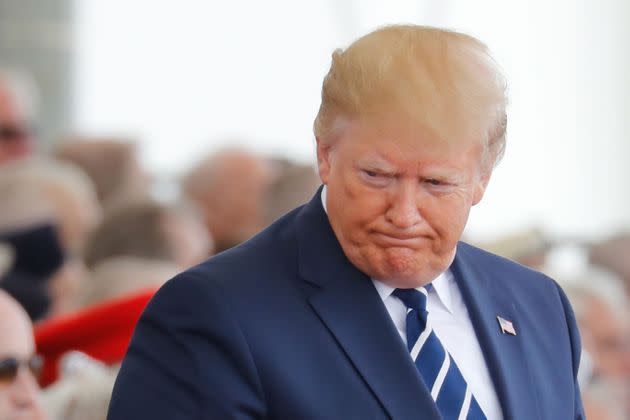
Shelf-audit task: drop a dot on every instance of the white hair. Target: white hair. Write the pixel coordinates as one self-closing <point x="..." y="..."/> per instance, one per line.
<point x="83" y="393"/>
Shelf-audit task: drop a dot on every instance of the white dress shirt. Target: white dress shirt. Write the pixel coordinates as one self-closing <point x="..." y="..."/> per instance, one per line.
<point x="452" y="325"/>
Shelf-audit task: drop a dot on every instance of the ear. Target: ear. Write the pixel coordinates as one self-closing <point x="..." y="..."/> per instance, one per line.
<point x="480" y="187"/>
<point x="323" y="159"/>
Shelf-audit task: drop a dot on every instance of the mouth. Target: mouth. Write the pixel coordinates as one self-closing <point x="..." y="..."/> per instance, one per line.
<point x="398" y="240"/>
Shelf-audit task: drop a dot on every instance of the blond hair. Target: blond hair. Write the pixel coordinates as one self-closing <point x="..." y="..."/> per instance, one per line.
<point x="444" y="80"/>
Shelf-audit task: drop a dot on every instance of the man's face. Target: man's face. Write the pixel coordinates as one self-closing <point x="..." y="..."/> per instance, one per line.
<point x="606" y="337"/>
<point x="15" y="137"/>
<point x="19" y="395"/>
<point x="398" y="198"/>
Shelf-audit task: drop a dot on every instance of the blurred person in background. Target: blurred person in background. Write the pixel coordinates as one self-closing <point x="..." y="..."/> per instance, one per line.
<point x="83" y="390"/>
<point x="6" y="258"/>
<point x="112" y="164"/>
<point x="230" y="188"/>
<point x="602" y="402"/>
<point x="74" y="210"/>
<point x="293" y="185"/>
<point x="49" y="208"/>
<point x="18" y="103"/>
<point x="602" y="311"/>
<point x="613" y="254"/>
<point x="20" y="397"/>
<point x="528" y="247"/>
<point x="142" y="244"/>
<point x="29" y="234"/>
<point x="68" y="190"/>
<point x="37" y="263"/>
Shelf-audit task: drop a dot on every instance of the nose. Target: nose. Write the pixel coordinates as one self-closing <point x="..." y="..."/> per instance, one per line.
<point x="403" y="211"/>
<point x="24" y="390"/>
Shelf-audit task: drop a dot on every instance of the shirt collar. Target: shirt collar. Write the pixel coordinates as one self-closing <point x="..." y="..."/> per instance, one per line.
<point x="441" y="285"/>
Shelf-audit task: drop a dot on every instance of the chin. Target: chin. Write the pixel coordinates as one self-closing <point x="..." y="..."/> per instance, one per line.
<point x="406" y="270"/>
<point x="402" y="278"/>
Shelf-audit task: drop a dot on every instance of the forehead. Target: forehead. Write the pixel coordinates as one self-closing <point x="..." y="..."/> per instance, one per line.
<point x="9" y="110"/>
<point x="404" y="144"/>
<point x="16" y="333"/>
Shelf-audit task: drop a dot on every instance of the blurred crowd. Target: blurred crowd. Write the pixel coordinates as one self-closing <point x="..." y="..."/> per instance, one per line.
<point x="85" y="241"/>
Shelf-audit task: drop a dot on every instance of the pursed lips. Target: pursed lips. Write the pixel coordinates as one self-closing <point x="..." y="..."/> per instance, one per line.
<point x="392" y="239"/>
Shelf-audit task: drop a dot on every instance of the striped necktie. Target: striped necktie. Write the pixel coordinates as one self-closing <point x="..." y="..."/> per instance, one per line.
<point x="448" y="387"/>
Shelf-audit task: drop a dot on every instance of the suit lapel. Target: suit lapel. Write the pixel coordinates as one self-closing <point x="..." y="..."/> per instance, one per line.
<point x="349" y="306"/>
<point x="503" y="353"/>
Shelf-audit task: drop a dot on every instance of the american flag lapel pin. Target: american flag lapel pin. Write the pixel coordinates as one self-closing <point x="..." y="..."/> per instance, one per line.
<point x="506" y="326"/>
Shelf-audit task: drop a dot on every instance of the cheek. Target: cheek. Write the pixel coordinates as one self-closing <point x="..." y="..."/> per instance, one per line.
<point x="356" y="206"/>
<point x="362" y="215"/>
<point x="450" y="214"/>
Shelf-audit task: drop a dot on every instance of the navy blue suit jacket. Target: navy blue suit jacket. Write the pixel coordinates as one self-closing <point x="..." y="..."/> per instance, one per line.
<point x="285" y="327"/>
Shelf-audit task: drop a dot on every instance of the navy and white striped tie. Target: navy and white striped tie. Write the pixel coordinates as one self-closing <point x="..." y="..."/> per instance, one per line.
<point x="448" y="387"/>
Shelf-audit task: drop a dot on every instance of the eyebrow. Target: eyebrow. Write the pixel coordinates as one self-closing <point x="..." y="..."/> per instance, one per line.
<point x="376" y="163"/>
<point x="444" y="175"/>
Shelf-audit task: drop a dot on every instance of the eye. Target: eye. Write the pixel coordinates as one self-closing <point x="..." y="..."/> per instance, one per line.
<point x="439" y="186"/>
<point x="375" y="178"/>
<point x="434" y="182"/>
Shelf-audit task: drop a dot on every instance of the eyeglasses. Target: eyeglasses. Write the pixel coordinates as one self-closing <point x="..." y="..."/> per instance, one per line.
<point x="9" y="133"/>
<point x="9" y="367"/>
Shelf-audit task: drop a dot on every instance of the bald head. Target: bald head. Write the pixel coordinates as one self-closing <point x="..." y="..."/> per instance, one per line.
<point x="229" y="187"/>
<point x="19" y="397"/>
<point x="15" y="328"/>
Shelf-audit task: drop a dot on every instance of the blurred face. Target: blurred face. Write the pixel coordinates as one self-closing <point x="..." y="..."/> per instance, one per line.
<point x="190" y="241"/>
<point x="238" y="215"/>
<point x="65" y="286"/>
<point x="15" y="137"/>
<point x="19" y="394"/>
<point x="607" y="337"/>
<point x="398" y="198"/>
<point x="79" y="215"/>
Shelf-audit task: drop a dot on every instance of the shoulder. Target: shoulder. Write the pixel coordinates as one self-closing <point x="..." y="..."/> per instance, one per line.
<point x="267" y="254"/>
<point x="258" y="267"/>
<point x="532" y="289"/>
<point x="502" y="270"/>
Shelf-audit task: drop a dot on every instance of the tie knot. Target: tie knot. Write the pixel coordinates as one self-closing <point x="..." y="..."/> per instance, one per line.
<point x="413" y="298"/>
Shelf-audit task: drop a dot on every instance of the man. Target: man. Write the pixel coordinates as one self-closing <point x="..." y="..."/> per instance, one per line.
<point x="113" y="166"/>
<point x="17" y="103"/>
<point x="612" y="255"/>
<point x="362" y="304"/>
<point x="229" y="188"/>
<point x="293" y="186"/>
<point x="601" y="310"/>
<point x="47" y="211"/>
<point x="19" y="392"/>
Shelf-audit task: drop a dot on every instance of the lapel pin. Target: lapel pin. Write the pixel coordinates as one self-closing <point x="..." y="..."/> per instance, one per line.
<point x="506" y="326"/>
